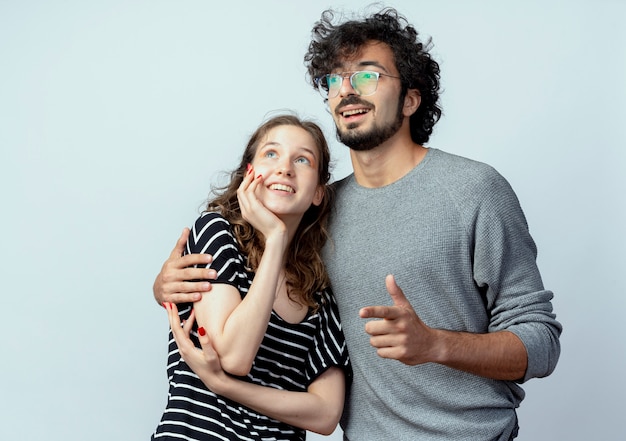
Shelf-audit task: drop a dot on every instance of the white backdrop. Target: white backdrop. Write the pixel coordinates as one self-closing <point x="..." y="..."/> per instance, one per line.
<point x="116" y="116"/>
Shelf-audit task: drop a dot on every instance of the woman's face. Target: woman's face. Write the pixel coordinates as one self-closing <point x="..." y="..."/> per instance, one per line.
<point x="288" y="158"/>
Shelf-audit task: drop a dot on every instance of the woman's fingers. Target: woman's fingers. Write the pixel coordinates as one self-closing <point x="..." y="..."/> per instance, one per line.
<point x="243" y="192"/>
<point x="188" y="324"/>
<point x="180" y="333"/>
<point x="172" y="314"/>
<point x="246" y="194"/>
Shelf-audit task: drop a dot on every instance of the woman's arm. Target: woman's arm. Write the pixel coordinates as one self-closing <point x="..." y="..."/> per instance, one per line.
<point x="237" y="327"/>
<point x="317" y="410"/>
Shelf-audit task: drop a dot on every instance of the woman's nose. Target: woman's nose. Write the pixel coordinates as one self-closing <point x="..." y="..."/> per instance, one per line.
<point x="285" y="169"/>
<point x="286" y="172"/>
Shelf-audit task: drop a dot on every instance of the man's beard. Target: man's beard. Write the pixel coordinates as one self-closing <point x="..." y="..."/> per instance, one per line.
<point x="363" y="141"/>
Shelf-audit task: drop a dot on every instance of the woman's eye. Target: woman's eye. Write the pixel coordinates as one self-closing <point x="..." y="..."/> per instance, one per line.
<point x="270" y="154"/>
<point x="303" y="160"/>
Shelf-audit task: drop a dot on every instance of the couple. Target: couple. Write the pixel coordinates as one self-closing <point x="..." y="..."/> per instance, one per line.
<point x="438" y="349"/>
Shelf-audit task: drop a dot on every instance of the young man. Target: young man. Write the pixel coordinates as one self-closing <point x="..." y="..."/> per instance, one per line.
<point x="438" y="238"/>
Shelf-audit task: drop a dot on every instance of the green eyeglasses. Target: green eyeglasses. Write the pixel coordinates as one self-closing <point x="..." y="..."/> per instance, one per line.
<point x="364" y="82"/>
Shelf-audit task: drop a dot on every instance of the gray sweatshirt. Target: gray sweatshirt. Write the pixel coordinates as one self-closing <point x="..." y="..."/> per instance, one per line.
<point x="453" y="234"/>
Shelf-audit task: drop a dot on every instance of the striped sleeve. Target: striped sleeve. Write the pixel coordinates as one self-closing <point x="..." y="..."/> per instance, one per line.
<point x="211" y="235"/>
<point x="329" y="344"/>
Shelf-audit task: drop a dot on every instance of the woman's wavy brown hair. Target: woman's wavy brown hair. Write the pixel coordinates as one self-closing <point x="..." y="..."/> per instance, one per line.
<point x="304" y="269"/>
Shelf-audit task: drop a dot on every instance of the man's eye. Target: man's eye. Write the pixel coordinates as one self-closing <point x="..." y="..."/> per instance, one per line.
<point x="334" y="80"/>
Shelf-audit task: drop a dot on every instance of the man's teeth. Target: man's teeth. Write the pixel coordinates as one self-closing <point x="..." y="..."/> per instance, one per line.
<point x="354" y="112"/>
<point x="282" y="188"/>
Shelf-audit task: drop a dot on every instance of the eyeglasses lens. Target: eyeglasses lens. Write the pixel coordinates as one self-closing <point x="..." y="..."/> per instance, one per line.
<point x="364" y="83"/>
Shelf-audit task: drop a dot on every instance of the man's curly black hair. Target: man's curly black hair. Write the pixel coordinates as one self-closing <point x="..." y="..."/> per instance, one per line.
<point x="333" y="43"/>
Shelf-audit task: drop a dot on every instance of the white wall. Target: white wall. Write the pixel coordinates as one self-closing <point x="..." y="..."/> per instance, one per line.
<point x="115" y="117"/>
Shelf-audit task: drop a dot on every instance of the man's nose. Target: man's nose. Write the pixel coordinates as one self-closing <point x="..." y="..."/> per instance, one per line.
<point x="346" y="86"/>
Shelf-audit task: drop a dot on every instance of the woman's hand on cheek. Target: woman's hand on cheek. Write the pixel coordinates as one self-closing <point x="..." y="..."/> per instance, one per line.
<point x="252" y="208"/>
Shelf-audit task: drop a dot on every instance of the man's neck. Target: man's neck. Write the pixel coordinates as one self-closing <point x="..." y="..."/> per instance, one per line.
<point x="386" y="163"/>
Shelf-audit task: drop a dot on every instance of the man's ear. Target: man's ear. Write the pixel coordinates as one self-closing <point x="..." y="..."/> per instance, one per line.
<point x="318" y="197"/>
<point x="412" y="101"/>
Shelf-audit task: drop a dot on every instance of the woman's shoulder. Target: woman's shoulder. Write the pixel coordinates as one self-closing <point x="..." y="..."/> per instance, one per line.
<point x="211" y="218"/>
<point x="208" y="228"/>
<point x="327" y="304"/>
<point x="210" y="222"/>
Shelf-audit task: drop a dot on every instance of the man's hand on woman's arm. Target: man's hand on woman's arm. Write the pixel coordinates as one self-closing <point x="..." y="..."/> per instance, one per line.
<point x="179" y="281"/>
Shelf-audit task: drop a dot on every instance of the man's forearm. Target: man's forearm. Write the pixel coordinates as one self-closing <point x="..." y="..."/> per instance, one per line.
<point x="498" y="355"/>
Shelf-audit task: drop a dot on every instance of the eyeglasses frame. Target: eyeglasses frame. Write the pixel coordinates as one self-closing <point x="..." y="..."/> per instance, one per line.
<point x="349" y="75"/>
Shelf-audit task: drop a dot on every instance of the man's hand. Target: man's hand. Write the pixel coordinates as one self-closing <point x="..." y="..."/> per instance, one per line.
<point x="172" y="283"/>
<point x="401" y="334"/>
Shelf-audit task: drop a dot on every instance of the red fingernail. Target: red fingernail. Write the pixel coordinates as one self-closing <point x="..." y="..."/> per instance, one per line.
<point x="201" y="331"/>
<point x="259" y="177"/>
<point x="164" y="305"/>
<point x="249" y="168"/>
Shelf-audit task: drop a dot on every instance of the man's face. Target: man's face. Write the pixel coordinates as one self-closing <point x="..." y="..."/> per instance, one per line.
<point x="365" y="122"/>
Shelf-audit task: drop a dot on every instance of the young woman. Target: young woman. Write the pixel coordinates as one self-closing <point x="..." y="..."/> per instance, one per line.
<point x="275" y="362"/>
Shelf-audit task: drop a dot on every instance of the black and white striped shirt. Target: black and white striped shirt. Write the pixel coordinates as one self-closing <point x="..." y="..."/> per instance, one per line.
<point x="290" y="357"/>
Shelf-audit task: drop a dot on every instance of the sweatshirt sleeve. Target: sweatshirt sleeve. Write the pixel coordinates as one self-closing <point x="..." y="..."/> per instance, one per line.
<point x="505" y="269"/>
